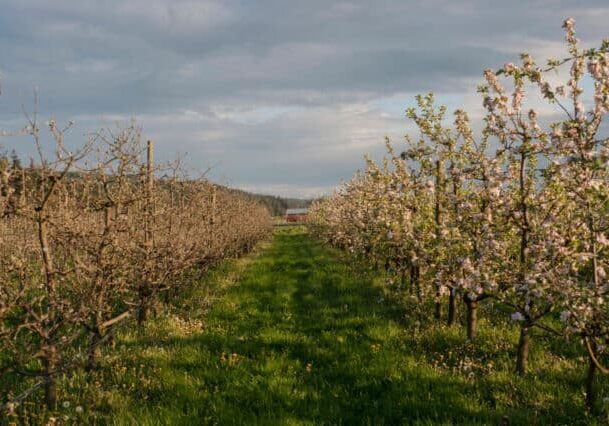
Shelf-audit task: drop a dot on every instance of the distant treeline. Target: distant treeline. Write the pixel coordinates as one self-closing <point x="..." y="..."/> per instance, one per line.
<point x="277" y="205"/>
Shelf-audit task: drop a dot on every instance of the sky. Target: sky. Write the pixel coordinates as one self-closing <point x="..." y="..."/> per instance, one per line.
<point x="281" y="97"/>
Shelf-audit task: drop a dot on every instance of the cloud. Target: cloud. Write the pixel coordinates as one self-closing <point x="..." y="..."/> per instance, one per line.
<point x="275" y="94"/>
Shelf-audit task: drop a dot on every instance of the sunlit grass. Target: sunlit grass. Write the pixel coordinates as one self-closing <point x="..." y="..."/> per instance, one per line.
<point x="294" y="334"/>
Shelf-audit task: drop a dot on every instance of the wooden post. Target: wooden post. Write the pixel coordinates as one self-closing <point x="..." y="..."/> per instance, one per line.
<point x="212" y="216"/>
<point x="144" y="290"/>
<point x="213" y="205"/>
<point x="439" y="224"/>
<point x="149" y="192"/>
<point x="452" y="298"/>
<point x="23" y="187"/>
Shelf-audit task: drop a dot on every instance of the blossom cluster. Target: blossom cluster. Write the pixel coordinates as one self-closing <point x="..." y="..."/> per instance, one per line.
<point x="517" y="215"/>
<point x="92" y="238"/>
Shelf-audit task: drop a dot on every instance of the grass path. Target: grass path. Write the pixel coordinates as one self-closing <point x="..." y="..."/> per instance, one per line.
<point x="299" y="338"/>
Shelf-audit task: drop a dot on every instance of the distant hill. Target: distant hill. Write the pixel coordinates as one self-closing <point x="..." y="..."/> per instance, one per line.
<point x="277" y="206"/>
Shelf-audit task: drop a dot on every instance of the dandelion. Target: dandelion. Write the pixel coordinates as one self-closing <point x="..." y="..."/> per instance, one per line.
<point x="79" y="409"/>
<point x="11" y="406"/>
<point x="66" y="404"/>
<point x="517" y="316"/>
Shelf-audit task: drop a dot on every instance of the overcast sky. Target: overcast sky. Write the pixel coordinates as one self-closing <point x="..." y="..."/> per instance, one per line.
<point x="281" y="97"/>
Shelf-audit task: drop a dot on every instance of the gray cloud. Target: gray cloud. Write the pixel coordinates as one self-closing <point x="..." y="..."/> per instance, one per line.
<point x="278" y="95"/>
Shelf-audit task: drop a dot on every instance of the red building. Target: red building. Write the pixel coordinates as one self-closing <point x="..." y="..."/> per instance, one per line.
<point x="296" y="215"/>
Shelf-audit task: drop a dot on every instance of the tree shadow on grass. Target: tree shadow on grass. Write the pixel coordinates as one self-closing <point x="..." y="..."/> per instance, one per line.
<point x="313" y="344"/>
<point x="315" y="349"/>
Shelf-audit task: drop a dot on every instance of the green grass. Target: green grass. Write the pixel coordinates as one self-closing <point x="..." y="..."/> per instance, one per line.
<point x="294" y="334"/>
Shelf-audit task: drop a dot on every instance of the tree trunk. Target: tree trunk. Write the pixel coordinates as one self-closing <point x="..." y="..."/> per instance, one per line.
<point x="452" y="308"/>
<point x="438" y="304"/>
<point x="412" y="279"/>
<point x="94" y="351"/>
<point x="418" y="282"/>
<point x="142" y="312"/>
<point x="142" y="315"/>
<point x="472" y="318"/>
<point x="415" y="284"/>
<point x="522" y="360"/>
<point x="590" y="391"/>
<point x="50" y="385"/>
